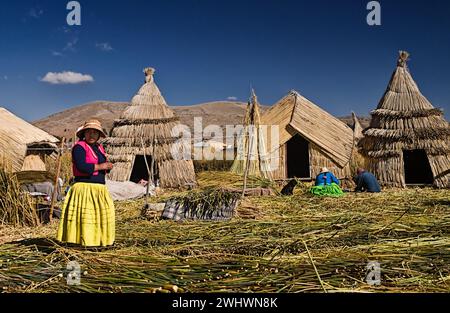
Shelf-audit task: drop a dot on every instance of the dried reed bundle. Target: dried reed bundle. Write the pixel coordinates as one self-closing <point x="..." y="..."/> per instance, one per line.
<point x="16" y="207"/>
<point x="252" y="156"/>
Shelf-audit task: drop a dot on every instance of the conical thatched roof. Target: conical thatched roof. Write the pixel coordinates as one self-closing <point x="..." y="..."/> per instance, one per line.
<point x="406" y="120"/>
<point x="252" y="152"/>
<point x="19" y="138"/>
<point x="146" y="128"/>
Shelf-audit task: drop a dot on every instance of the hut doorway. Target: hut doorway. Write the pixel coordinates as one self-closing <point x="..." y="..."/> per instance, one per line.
<point x="139" y="170"/>
<point x="417" y="168"/>
<point x="297" y="155"/>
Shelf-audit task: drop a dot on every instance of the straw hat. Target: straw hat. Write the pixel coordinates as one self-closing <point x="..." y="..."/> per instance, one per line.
<point x="91" y="124"/>
<point x="324" y="170"/>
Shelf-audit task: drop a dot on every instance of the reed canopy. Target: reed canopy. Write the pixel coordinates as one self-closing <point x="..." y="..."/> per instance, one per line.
<point x="407" y="141"/>
<point x="309" y="139"/>
<point x="252" y="156"/>
<point x="143" y="141"/>
<point x="22" y="145"/>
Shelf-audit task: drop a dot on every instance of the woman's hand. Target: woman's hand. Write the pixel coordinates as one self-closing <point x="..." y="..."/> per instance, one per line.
<point x="103" y="167"/>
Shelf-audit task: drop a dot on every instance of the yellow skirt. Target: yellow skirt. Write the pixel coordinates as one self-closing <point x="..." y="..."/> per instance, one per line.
<point x="87" y="217"/>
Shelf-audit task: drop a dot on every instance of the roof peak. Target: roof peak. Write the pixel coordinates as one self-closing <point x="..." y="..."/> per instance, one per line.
<point x="149" y="71"/>
<point x="403" y="58"/>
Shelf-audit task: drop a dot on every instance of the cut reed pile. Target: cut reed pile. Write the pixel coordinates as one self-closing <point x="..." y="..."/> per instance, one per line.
<point x="406" y="231"/>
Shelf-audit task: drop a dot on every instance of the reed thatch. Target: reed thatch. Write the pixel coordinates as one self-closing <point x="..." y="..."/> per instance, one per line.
<point x="33" y="162"/>
<point x="252" y="151"/>
<point x="330" y="141"/>
<point x="403" y="121"/>
<point x="146" y="128"/>
<point x="19" y="139"/>
<point x="357" y="128"/>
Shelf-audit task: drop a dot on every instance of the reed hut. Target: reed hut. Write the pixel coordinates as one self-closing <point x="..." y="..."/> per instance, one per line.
<point x="407" y="141"/>
<point x="252" y="154"/>
<point x="309" y="139"/>
<point x="143" y="142"/>
<point x="22" y="145"/>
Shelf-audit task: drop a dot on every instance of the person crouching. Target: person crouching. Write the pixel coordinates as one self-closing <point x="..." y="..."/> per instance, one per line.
<point x="326" y="184"/>
<point x="366" y="181"/>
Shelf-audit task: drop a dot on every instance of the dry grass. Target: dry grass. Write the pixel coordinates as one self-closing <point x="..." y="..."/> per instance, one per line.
<point x="66" y="166"/>
<point x="16" y="207"/>
<point x="406" y="231"/>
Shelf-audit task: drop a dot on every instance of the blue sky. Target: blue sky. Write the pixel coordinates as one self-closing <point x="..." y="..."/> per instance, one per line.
<point x="215" y="49"/>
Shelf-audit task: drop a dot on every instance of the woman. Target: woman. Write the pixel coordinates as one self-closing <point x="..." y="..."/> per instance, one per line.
<point x="88" y="216"/>
<point x="326" y="184"/>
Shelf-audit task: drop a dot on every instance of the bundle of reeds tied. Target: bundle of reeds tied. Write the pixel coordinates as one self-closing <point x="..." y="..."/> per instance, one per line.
<point x="16" y="207"/>
<point x="210" y="204"/>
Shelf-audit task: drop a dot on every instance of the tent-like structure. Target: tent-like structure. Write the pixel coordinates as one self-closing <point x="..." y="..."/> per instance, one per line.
<point x="143" y="141"/>
<point x="309" y="139"/>
<point x="357" y="128"/>
<point x="407" y="141"/>
<point x="252" y="152"/>
<point x="22" y="145"/>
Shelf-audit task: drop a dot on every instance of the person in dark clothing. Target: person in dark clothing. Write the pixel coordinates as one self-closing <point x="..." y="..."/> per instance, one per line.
<point x="366" y="181"/>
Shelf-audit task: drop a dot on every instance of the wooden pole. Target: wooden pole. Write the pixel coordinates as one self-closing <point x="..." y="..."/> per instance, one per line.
<point x="148" y="172"/>
<point x="151" y="172"/>
<point x="247" y="163"/>
<point x="153" y="161"/>
<point x="55" y="188"/>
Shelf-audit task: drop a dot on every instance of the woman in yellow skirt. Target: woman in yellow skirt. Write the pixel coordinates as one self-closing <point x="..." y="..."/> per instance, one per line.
<point x="88" y="217"/>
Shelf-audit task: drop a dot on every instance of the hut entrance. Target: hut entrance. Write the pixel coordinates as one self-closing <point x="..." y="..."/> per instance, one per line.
<point x="139" y="170"/>
<point x="417" y="168"/>
<point x="297" y="155"/>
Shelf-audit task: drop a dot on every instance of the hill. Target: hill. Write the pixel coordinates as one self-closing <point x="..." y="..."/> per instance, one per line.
<point x="220" y="113"/>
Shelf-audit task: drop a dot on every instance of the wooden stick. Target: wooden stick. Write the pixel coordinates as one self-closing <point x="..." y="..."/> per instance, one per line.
<point x="153" y="161"/>
<point x="247" y="164"/>
<point x="315" y="268"/>
<point x="58" y="169"/>
<point x="151" y="173"/>
<point x="148" y="172"/>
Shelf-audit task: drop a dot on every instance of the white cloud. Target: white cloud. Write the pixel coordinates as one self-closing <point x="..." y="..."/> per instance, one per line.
<point x="104" y="46"/>
<point x="232" y="98"/>
<point x="70" y="46"/>
<point x="64" y="29"/>
<point x="35" y="13"/>
<point x="57" y="54"/>
<point x="66" y="77"/>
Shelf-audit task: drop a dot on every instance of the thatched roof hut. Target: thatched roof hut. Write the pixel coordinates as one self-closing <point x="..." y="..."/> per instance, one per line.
<point x="407" y="141"/>
<point x="309" y="139"/>
<point x="142" y="141"/>
<point x="22" y="144"/>
<point x="252" y="153"/>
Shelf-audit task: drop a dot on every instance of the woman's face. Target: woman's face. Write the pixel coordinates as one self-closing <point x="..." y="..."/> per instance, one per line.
<point x="91" y="136"/>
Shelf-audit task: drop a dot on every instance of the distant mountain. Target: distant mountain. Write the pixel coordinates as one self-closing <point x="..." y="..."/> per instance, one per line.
<point x="219" y="113"/>
<point x="65" y="123"/>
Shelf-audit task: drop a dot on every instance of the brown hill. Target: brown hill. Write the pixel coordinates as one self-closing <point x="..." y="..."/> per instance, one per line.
<point x="220" y="113"/>
<point x="65" y="123"/>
